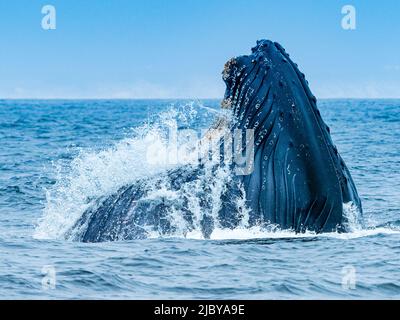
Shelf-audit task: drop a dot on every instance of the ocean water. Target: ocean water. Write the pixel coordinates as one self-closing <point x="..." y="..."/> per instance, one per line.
<point x="55" y="155"/>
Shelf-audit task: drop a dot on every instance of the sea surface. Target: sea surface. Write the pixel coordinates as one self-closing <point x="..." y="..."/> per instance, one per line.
<point x="56" y="154"/>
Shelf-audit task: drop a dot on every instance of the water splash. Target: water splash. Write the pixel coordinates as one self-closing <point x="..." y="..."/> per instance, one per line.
<point x="96" y="174"/>
<point x="352" y="216"/>
<point x="93" y="174"/>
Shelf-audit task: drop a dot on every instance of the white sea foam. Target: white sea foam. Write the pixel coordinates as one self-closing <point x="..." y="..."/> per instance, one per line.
<point x="351" y="213"/>
<point x="241" y="233"/>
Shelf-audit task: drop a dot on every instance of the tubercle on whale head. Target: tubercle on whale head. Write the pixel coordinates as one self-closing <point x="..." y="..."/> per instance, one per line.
<point x="226" y="103"/>
<point x="236" y="70"/>
<point x="228" y="77"/>
<point x="267" y="57"/>
<point x="226" y="73"/>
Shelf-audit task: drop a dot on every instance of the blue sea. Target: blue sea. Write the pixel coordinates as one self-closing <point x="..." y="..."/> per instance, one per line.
<point x="56" y="154"/>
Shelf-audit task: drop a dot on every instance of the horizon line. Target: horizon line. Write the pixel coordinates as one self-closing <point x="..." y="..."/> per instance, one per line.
<point x="188" y="98"/>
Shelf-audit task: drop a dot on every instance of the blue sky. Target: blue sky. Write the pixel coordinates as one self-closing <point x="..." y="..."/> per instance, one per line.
<point x="177" y="48"/>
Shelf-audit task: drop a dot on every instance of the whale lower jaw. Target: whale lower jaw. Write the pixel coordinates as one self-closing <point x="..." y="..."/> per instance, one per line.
<point x="299" y="180"/>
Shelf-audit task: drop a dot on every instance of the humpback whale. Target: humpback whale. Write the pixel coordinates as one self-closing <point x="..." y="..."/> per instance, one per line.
<point x="298" y="179"/>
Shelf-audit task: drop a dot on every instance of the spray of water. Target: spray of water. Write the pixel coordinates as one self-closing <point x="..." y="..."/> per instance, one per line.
<point x="97" y="173"/>
<point x="145" y="155"/>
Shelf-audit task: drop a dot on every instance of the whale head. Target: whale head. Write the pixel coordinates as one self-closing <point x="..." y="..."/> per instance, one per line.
<point x="299" y="180"/>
